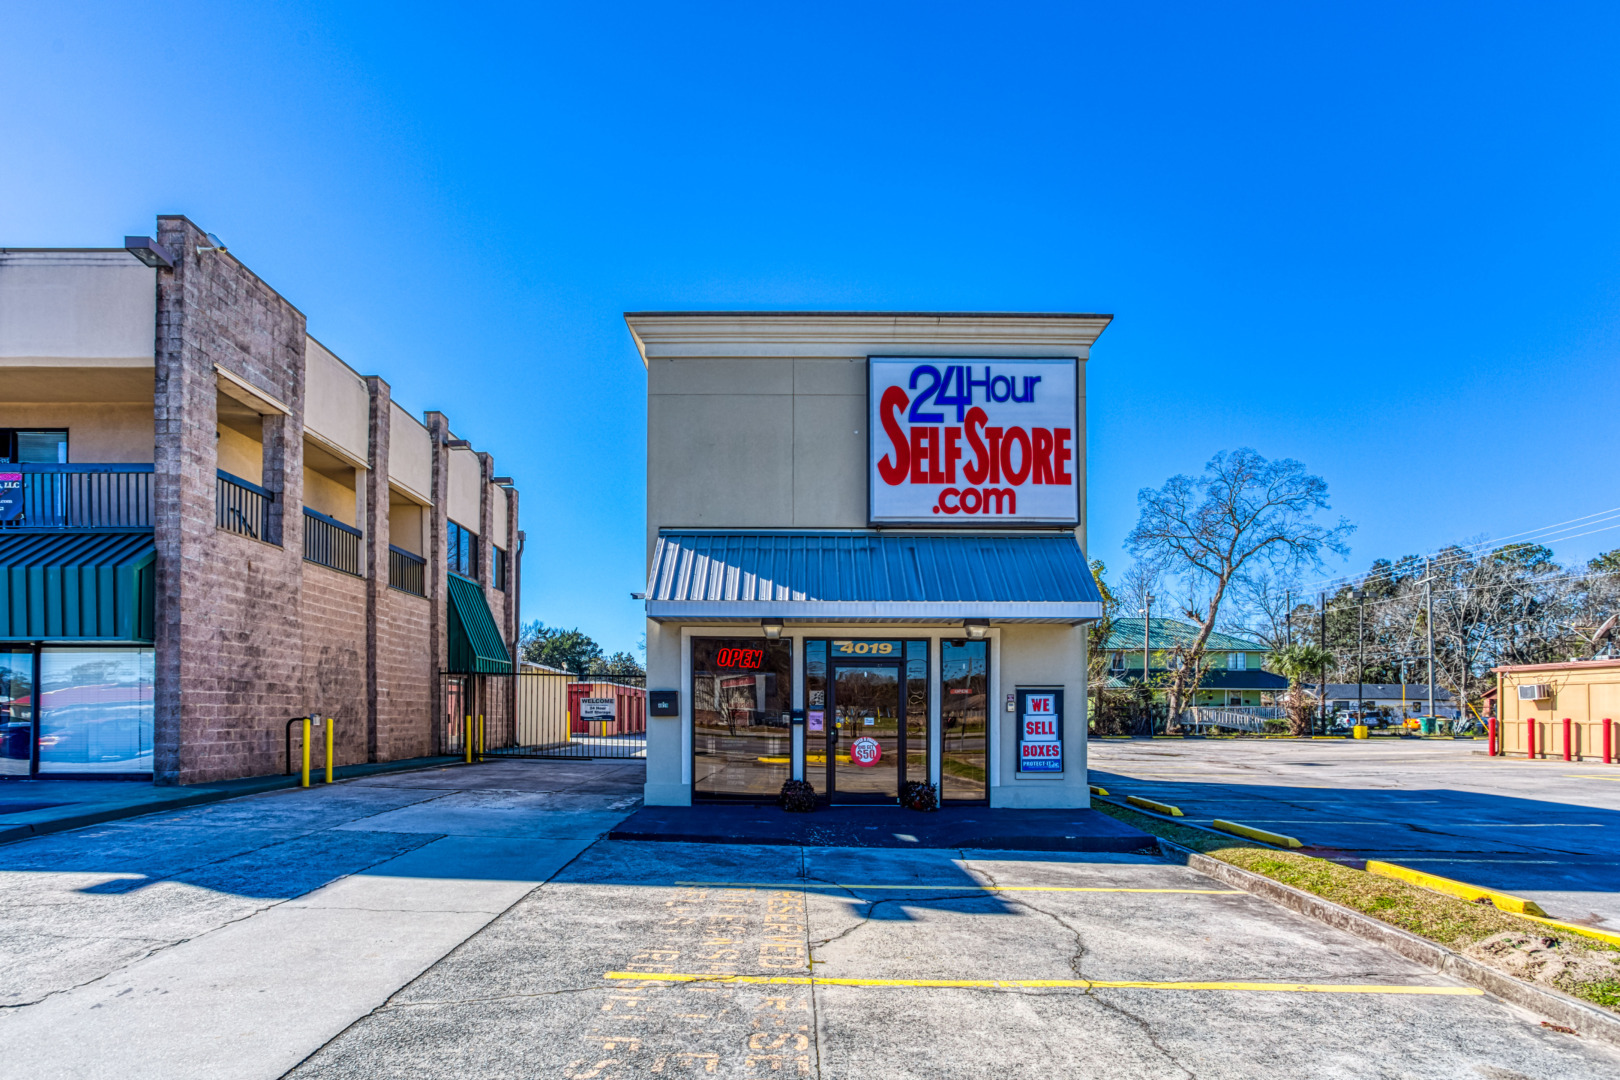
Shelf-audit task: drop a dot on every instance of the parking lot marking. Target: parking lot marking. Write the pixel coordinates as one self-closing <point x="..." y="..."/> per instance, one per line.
<point x="950" y="888"/>
<point x="1590" y="776"/>
<point x="1055" y="984"/>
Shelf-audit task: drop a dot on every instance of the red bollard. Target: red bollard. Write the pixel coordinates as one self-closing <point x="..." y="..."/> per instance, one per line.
<point x="1566" y="738"/>
<point x="1490" y="737"/>
<point x="1608" y="740"/>
<point x="1530" y="739"/>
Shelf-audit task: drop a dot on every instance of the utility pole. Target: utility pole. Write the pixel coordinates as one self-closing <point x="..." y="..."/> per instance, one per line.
<point x="1361" y="656"/>
<point x="1428" y="624"/>
<point x="1321" y="685"/>
<point x="1288" y="618"/>
<point x="1147" y="637"/>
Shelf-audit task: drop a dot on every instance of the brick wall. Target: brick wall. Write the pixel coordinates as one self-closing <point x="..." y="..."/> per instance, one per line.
<point x="248" y="634"/>
<point x="334" y="640"/>
<point x="229" y="651"/>
<point x="405" y="677"/>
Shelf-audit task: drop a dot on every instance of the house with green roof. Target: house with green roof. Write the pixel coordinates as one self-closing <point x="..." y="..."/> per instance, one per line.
<point x="1235" y="674"/>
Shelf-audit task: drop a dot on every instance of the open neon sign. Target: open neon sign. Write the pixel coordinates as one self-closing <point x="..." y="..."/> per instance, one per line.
<point x="745" y="659"/>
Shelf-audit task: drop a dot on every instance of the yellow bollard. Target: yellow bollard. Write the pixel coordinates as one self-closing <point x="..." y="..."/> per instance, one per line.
<point x="331" y="740"/>
<point x="466" y="737"/>
<point x="480" y="736"/>
<point x="304" y="777"/>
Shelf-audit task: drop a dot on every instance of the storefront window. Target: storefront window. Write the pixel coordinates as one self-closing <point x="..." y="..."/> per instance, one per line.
<point x="917" y="710"/>
<point x="95" y="710"/>
<point x="815" y="715"/>
<point x="965" y="684"/>
<point x="742" y="697"/>
<point x="16" y="710"/>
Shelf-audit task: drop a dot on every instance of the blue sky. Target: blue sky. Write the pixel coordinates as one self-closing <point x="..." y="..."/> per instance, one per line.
<point x="1382" y="239"/>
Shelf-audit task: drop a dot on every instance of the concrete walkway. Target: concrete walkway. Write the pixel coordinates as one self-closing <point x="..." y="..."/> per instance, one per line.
<point x="36" y="806"/>
<point x="1546" y="830"/>
<point x="233" y="940"/>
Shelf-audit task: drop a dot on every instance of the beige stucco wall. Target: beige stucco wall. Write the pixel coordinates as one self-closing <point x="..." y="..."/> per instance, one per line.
<point x="337" y="406"/>
<point x="497" y="505"/>
<point x="410" y="454"/>
<point x="1040" y="655"/>
<point x="464" y="503"/>
<point x="239" y="455"/>
<point x="406" y="524"/>
<point x="332" y="497"/>
<point x="76" y="305"/>
<point x="760" y="422"/>
<point x="117" y="434"/>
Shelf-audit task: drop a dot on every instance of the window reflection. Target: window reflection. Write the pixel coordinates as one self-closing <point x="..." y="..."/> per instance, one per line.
<point x="16" y="710"/>
<point x="95" y="710"/>
<point x="965" y="685"/>
<point x="742" y="692"/>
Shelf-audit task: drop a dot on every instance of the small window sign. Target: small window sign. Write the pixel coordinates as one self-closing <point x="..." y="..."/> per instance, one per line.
<point x="1040" y="731"/>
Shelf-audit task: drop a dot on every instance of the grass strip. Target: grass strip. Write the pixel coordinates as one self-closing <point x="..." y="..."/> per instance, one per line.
<point x="1456" y="924"/>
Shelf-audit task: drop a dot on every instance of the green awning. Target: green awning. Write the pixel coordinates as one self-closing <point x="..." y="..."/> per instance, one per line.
<point x="73" y="585"/>
<point x="476" y="647"/>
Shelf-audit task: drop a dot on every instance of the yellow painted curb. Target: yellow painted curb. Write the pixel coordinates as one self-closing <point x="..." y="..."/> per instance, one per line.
<point x="1158" y="807"/>
<point x="1095" y="790"/>
<point x="1042" y="984"/>
<point x="1256" y="834"/>
<point x="1461" y="889"/>
<point x="1576" y="928"/>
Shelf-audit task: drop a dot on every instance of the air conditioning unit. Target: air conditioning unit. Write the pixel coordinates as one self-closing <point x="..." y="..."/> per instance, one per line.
<point x="1535" y="692"/>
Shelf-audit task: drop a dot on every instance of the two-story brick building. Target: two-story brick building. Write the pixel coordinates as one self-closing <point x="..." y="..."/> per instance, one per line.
<point x="210" y="524"/>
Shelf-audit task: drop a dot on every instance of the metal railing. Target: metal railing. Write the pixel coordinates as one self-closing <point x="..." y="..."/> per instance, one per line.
<point x="242" y="507"/>
<point x="83" y="496"/>
<point x="329" y="542"/>
<point x="406" y="572"/>
<point x="1255" y="718"/>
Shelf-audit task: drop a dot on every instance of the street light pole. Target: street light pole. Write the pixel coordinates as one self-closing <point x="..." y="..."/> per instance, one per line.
<point x="1428" y="625"/>
<point x="1321" y="683"/>
<point x="1361" y="657"/>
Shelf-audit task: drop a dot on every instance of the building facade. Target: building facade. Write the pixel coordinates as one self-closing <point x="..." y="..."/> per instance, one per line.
<point x="210" y="524"/>
<point x="1559" y="710"/>
<point x="865" y="555"/>
<point x="1235" y="675"/>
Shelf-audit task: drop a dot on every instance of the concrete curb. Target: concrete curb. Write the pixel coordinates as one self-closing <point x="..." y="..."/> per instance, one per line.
<point x="258" y="785"/>
<point x="1557" y="1006"/>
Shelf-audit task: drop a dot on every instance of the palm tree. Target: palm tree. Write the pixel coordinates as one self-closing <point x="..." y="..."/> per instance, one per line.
<point x="1294" y="662"/>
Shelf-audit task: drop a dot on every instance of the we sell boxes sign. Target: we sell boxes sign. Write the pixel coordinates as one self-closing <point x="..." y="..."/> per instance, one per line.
<point x="1040" y="731"/>
<point x="965" y="443"/>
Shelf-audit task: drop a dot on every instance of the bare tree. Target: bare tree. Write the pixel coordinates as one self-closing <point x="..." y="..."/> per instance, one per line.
<point x="1244" y="513"/>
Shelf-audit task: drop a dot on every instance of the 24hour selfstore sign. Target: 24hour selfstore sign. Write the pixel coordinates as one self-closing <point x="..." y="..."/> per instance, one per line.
<point x="971" y="443"/>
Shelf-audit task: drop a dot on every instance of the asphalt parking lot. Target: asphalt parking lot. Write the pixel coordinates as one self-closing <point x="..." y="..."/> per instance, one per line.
<point x="469" y="923"/>
<point x="1546" y="830"/>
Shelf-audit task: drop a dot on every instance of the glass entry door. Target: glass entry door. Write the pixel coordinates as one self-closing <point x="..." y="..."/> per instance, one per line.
<point x="866" y="733"/>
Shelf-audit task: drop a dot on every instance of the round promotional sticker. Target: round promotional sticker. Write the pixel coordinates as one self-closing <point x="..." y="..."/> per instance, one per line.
<point x="865" y="751"/>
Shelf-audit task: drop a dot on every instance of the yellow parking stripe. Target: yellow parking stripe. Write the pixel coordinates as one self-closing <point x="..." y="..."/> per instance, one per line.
<point x="1048" y="984"/>
<point x="950" y="888"/>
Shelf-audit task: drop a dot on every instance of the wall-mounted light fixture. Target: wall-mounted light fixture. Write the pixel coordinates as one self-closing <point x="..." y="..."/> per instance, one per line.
<point x="977" y="629"/>
<point x="149" y="251"/>
<point x="457" y="444"/>
<point x="502" y="481"/>
<point x="638" y="596"/>
<point x="214" y="244"/>
<point x="772" y="628"/>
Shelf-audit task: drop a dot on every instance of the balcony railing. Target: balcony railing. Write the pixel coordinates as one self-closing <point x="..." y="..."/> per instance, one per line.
<point x="241" y="507"/>
<point x="329" y="542"/>
<point x="407" y="572"/>
<point x="80" y="496"/>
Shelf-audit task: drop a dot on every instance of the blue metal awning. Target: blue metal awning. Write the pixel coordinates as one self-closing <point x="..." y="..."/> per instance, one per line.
<point x="849" y="576"/>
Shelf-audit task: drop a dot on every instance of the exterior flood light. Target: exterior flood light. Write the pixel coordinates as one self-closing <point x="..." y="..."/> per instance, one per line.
<point x="977" y="629"/>
<point x="216" y="242"/>
<point x="772" y="628"/>
<point x="149" y="251"/>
